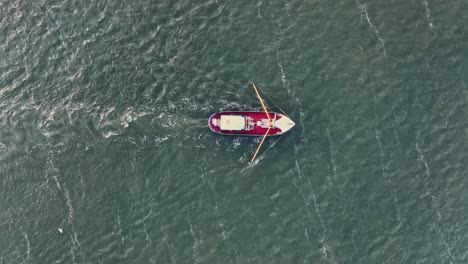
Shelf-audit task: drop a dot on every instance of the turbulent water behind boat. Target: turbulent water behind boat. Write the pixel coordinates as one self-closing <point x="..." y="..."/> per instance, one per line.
<point x="106" y="156"/>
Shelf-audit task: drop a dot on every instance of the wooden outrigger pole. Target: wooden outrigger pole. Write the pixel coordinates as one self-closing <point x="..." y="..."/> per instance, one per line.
<point x="269" y="123"/>
<point x="260" y="145"/>
<point x="261" y="101"/>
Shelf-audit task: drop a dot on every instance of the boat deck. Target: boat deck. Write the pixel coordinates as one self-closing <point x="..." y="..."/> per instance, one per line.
<point x="255" y="129"/>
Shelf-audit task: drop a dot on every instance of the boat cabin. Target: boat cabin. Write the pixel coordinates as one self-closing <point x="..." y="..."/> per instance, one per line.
<point x="234" y="122"/>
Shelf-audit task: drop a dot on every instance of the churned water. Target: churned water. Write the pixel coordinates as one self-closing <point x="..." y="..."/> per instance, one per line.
<point x="106" y="157"/>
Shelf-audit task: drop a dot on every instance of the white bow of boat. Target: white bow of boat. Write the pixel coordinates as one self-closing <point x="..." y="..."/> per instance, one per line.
<point x="284" y="123"/>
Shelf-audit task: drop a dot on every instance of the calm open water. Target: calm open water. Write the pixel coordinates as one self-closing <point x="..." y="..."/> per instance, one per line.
<point x="105" y="155"/>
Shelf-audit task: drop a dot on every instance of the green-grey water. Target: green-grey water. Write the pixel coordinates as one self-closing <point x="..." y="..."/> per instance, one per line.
<point x="106" y="157"/>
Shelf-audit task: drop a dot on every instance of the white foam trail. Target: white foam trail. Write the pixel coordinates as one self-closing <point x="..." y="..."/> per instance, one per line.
<point x="57" y="182"/>
<point x="70" y="207"/>
<point x="236" y="255"/>
<point x="75" y="242"/>
<point x="433" y="201"/>
<point x="301" y="192"/>
<point x="147" y="237"/>
<point x="161" y="94"/>
<point x="427" y="173"/>
<point x="353" y="241"/>
<point x="169" y="246"/>
<point x="363" y="54"/>
<point x="363" y="8"/>
<point x="326" y="249"/>
<point x="76" y="245"/>
<point x="283" y="77"/>
<point x="72" y="251"/>
<point x="299" y="173"/>
<point x="82" y="188"/>
<point x="332" y="154"/>
<point x="395" y="203"/>
<point x="143" y="220"/>
<point x="258" y="10"/>
<point x="128" y="116"/>
<point x="53" y="170"/>
<point x="382" y="155"/>
<point x="195" y="243"/>
<point x="322" y="223"/>
<point x="397" y="138"/>
<point x="110" y="134"/>
<point x="291" y="93"/>
<point x="122" y="238"/>
<point x="275" y="195"/>
<point x="28" y="249"/>
<point x="388" y="181"/>
<point x="285" y="82"/>
<point x="428" y="14"/>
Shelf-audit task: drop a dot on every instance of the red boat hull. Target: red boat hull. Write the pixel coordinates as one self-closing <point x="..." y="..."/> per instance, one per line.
<point x="253" y="128"/>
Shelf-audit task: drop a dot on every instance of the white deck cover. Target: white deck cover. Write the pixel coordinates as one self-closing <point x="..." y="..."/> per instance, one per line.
<point x="231" y="122"/>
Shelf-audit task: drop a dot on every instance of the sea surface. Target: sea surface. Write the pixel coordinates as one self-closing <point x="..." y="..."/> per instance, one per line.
<point x="106" y="157"/>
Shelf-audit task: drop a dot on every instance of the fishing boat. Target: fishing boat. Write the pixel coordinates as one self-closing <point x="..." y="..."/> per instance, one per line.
<point x="251" y="123"/>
